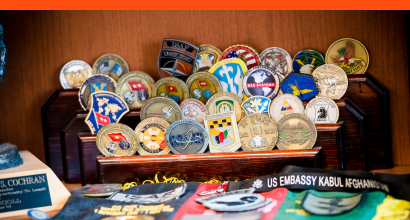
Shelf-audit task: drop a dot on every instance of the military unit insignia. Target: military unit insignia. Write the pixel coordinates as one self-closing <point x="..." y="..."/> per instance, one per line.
<point x="151" y="137"/>
<point x="106" y="108"/>
<point x="245" y="53"/>
<point x="230" y="73"/>
<point x="223" y="132"/>
<point x="202" y="86"/>
<point x="187" y="136"/>
<point x="97" y="83"/>
<point x="111" y="65"/>
<point x="300" y="85"/>
<point x="322" y="110"/>
<point x="161" y="107"/>
<point x="74" y="73"/>
<point x="257" y="133"/>
<point x="176" y="58"/>
<point x="277" y="59"/>
<point x="225" y="102"/>
<point x="257" y="104"/>
<point x="331" y="81"/>
<point x="296" y="132"/>
<point x="306" y="61"/>
<point x="285" y="104"/>
<point x="117" y="139"/>
<point x="193" y="109"/>
<point x="207" y="56"/>
<point x="135" y="88"/>
<point x="170" y="87"/>
<point x="261" y="81"/>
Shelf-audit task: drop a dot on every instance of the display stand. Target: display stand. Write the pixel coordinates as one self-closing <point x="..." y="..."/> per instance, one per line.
<point x="88" y="153"/>
<point x="32" y="185"/>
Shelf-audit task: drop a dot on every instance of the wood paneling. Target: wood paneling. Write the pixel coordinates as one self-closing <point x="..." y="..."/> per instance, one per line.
<point x="41" y="42"/>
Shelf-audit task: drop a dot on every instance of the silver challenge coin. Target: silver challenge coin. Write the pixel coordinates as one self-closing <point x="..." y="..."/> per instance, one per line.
<point x="277" y="59"/>
<point x="285" y="104"/>
<point x="261" y="81"/>
<point x="322" y="110"/>
<point x="74" y="73"/>
<point x="236" y="202"/>
<point x="186" y="137"/>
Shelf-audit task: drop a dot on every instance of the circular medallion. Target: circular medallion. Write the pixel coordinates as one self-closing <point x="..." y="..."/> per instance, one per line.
<point x="161" y="107"/>
<point x="285" y="104"/>
<point x="202" y="86"/>
<point x="206" y="57"/>
<point x="97" y="83"/>
<point x="277" y="59"/>
<point x="331" y="81"/>
<point x="171" y="87"/>
<point x="74" y="73"/>
<point x="349" y="54"/>
<point x="322" y="110"/>
<point x="245" y="53"/>
<point x="151" y="136"/>
<point x="111" y="65"/>
<point x="193" y="109"/>
<point x="296" y="132"/>
<point x="230" y="73"/>
<point x="257" y="132"/>
<point x="135" y="88"/>
<point x="37" y="214"/>
<point x="116" y="140"/>
<point x="187" y="137"/>
<point x="306" y="61"/>
<point x="225" y="102"/>
<point x="261" y="81"/>
<point x="235" y="202"/>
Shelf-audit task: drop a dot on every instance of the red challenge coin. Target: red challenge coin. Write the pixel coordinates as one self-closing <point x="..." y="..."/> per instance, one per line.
<point x="245" y="53"/>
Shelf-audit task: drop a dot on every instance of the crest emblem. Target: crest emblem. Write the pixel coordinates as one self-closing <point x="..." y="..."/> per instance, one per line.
<point x="286" y="108"/>
<point x="257" y="184"/>
<point x="223" y="132"/>
<point x="129" y="97"/>
<point x="98" y="87"/>
<point x="106" y="108"/>
<point x="142" y="95"/>
<point x="167" y="112"/>
<point x="207" y="56"/>
<point x="322" y="114"/>
<point x="224" y="105"/>
<point x="257" y="104"/>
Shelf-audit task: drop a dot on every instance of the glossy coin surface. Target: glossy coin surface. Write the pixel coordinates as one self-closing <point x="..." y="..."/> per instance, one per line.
<point x="111" y="65"/>
<point x="151" y="136"/>
<point x="236" y="202"/>
<point x="306" y="61"/>
<point x="37" y="214"/>
<point x="331" y="81"/>
<point x="261" y="81"/>
<point x="256" y="104"/>
<point x="161" y="107"/>
<point x="187" y="137"/>
<point x="116" y="140"/>
<point x="296" y="132"/>
<point x="277" y="59"/>
<point x="97" y="83"/>
<point x="74" y="73"/>
<point x="135" y="88"/>
<point x="245" y="53"/>
<point x="322" y="110"/>
<point x="225" y="102"/>
<point x="301" y="85"/>
<point x="257" y="132"/>
<point x="223" y="132"/>
<point x="285" y="104"/>
<point x="349" y="54"/>
<point x="193" y="109"/>
<point x="230" y="73"/>
<point x="207" y="56"/>
<point x="171" y="87"/>
<point x="203" y="86"/>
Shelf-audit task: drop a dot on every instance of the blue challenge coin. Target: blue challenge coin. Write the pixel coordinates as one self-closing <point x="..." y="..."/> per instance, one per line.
<point x="300" y="85"/>
<point x="175" y="98"/>
<point x="207" y="94"/>
<point x="142" y="95"/>
<point x="37" y="214"/>
<point x="125" y="145"/>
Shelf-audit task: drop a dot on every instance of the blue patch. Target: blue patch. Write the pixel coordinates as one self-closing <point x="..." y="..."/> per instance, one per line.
<point x="230" y="76"/>
<point x="207" y="94"/>
<point x="300" y="85"/>
<point x="98" y="87"/>
<point x="307" y="61"/>
<point x="197" y="93"/>
<point x="125" y="145"/>
<point x="142" y="95"/>
<point x="175" y="98"/>
<point x="257" y="104"/>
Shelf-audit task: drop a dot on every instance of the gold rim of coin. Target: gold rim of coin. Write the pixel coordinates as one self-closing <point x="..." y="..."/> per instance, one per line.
<point x="181" y="84"/>
<point x="124" y="131"/>
<point x="331" y="81"/>
<point x="114" y="57"/>
<point x="134" y="74"/>
<point x="171" y="103"/>
<point x="257" y="132"/>
<point x="158" y="122"/>
<point x="239" y="111"/>
<point x="312" y="102"/>
<point x="83" y="87"/>
<point x="206" y="75"/>
<point x="292" y="119"/>
<point x="333" y="55"/>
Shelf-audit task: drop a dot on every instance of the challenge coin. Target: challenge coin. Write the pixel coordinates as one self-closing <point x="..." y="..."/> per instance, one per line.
<point x="236" y="202"/>
<point x="106" y="108"/>
<point x="111" y="65"/>
<point x="151" y="136"/>
<point x="203" y="86"/>
<point x="296" y="132"/>
<point x="187" y="137"/>
<point x="171" y="87"/>
<point x="306" y="61"/>
<point x="285" y="104"/>
<point x="97" y="83"/>
<point x="37" y="214"/>
<point x="349" y="54"/>
<point x="74" y="73"/>
<point x="301" y="85"/>
<point x="322" y="110"/>
<point x="176" y="58"/>
<point x="223" y="132"/>
<point x="245" y="53"/>
<point x="193" y="109"/>
<point x="161" y="107"/>
<point x="207" y="56"/>
<point x="331" y="81"/>
<point x="277" y="59"/>
<point x="257" y="132"/>
<point x="230" y="73"/>
<point x="225" y="102"/>
<point x="261" y="81"/>
<point x="117" y="140"/>
<point x="257" y="104"/>
<point x="135" y="88"/>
